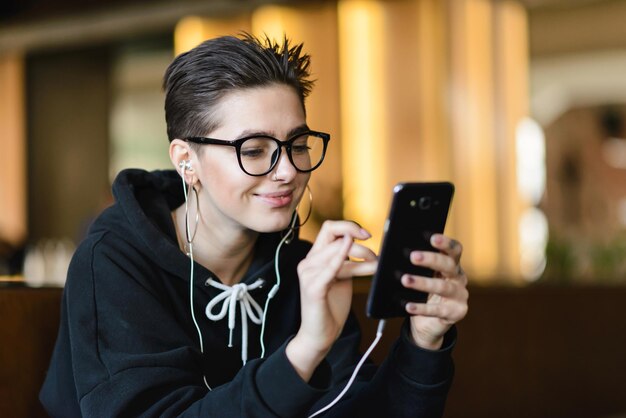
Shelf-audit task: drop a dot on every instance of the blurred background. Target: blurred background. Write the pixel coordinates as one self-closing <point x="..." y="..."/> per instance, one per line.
<point x="521" y="104"/>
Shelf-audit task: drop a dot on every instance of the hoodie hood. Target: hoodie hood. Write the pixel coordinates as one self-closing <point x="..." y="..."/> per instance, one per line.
<point x="141" y="216"/>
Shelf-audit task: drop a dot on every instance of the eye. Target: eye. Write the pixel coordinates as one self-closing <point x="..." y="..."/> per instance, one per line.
<point x="252" y="152"/>
<point x="257" y="148"/>
<point x="300" y="145"/>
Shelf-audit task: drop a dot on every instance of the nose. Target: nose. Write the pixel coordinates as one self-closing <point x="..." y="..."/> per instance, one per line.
<point x="284" y="170"/>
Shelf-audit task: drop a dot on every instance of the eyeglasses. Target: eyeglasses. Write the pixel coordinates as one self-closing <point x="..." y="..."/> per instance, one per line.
<point x="259" y="154"/>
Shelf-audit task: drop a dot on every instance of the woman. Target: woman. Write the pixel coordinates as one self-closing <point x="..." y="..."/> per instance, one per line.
<point x="193" y="296"/>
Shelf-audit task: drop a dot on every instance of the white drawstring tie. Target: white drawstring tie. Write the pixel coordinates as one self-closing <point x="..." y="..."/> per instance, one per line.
<point x="231" y="295"/>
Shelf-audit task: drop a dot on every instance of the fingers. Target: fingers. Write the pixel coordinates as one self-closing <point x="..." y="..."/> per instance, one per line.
<point x="337" y="255"/>
<point x="447" y="245"/>
<point x="441" y="263"/>
<point x="332" y="230"/>
<point x="450" y="313"/>
<point x="447" y="292"/>
<point x="334" y="259"/>
<point x="362" y="262"/>
<point x="441" y="287"/>
<point x="444" y="265"/>
<point x="446" y="262"/>
<point x="329" y="258"/>
<point x="361" y="252"/>
<point x="355" y="269"/>
<point x="447" y="300"/>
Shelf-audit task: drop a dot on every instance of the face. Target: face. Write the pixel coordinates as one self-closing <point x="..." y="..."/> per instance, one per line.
<point x="230" y="197"/>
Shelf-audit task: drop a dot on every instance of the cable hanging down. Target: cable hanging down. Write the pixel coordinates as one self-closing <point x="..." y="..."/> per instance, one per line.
<point x="379" y="334"/>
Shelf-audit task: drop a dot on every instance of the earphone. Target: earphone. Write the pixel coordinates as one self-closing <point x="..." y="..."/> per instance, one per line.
<point x="185" y="165"/>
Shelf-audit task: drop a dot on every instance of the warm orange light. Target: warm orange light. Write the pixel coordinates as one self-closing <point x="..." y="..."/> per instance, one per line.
<point x="511" y="48"/>
<point x="189" y="32"/>
<point x="13" y="143"/>
<point x="276" y="21"/>
<point x="192" y="30"/>
<point x="473" y="130"/>
<point x="362" y="75"/>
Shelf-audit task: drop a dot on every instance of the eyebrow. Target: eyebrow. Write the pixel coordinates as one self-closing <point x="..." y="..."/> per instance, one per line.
<point x="294" y="131"/>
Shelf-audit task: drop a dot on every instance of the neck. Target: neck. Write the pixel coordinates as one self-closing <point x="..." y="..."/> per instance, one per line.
<point x="225" y="251"/>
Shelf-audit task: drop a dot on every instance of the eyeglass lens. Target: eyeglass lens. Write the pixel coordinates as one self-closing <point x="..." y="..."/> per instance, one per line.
<point x="258" y="155"/>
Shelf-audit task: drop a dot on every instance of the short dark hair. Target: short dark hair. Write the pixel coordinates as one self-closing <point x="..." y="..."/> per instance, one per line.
<point x="196" y="80"/>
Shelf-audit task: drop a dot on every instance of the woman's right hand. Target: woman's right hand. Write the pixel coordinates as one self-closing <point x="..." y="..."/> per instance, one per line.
<point x="326" y="291"/>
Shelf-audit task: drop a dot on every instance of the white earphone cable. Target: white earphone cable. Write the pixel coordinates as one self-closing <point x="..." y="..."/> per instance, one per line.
<point x="191" y="275"/>
<point x="276" y="286"/>
<point x="379" y="334"/>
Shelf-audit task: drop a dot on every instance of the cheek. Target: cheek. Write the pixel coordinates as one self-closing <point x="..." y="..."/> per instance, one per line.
<point x="221" y="167"/>
<point x="224" y="178"/>
<point x="231" y="185"/>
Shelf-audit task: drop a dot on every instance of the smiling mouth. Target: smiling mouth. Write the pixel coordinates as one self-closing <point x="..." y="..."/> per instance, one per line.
<point x="277" y="200"/>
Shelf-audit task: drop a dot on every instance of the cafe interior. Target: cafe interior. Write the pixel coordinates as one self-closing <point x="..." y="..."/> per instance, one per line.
<point x="521" y="104"/>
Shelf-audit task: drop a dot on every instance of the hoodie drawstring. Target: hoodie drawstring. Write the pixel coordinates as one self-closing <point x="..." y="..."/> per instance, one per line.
<point x="230" y="296"/>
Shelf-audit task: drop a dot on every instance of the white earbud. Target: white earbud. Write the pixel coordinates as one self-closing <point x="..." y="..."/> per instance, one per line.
<point x="185" y="165"/>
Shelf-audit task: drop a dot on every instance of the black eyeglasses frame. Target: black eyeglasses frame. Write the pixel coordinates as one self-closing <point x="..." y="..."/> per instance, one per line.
<point x="236" y="143"/>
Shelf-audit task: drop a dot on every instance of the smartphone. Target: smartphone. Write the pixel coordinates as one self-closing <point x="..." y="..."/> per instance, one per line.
<point x="418" y="210"/>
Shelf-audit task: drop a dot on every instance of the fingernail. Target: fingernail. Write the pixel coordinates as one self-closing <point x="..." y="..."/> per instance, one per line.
<point x="365" y="234"/>
<point x="410" y="307"/>
<point x="436" y="239"/>
<point x="417" y="256"/>
<point x="407" y="280"/>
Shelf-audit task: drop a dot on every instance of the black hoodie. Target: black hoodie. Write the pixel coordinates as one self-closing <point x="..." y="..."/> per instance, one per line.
<point x="127" y="345"/>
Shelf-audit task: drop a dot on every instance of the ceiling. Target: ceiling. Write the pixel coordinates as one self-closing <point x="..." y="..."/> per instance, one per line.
<point x="16" y="11"/>
<point x="26" y="24"/>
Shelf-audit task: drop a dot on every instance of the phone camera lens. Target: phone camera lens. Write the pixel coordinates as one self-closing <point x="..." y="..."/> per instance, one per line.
<point x="425" y="203"/>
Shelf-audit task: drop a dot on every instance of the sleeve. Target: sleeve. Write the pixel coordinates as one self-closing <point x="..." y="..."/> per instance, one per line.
<point x="131" y="357"/>
<point x="411" y="382"/>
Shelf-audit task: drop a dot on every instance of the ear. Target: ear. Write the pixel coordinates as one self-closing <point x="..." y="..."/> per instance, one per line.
<point x="183" y="158"/>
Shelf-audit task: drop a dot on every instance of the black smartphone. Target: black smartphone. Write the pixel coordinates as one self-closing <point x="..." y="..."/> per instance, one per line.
<point x="418" y="210"/>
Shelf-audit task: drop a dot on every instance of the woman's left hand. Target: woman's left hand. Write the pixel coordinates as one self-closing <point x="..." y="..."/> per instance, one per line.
<point x="448" y="295"/>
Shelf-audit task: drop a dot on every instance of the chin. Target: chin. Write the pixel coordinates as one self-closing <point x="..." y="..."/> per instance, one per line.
<point x="275" y="227"/>
<point x="268" y="223"/>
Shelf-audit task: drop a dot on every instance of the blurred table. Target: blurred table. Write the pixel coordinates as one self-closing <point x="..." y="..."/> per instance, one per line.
<point x="29" y="320"/>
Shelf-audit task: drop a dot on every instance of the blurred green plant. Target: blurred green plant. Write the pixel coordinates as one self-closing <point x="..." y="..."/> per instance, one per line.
<point x="598" y="262"/>
<point x="608" y="261"/>
<point x="561" y="261"/>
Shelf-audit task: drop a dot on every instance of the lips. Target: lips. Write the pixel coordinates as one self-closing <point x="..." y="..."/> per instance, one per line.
<point x="276" y="199"/>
